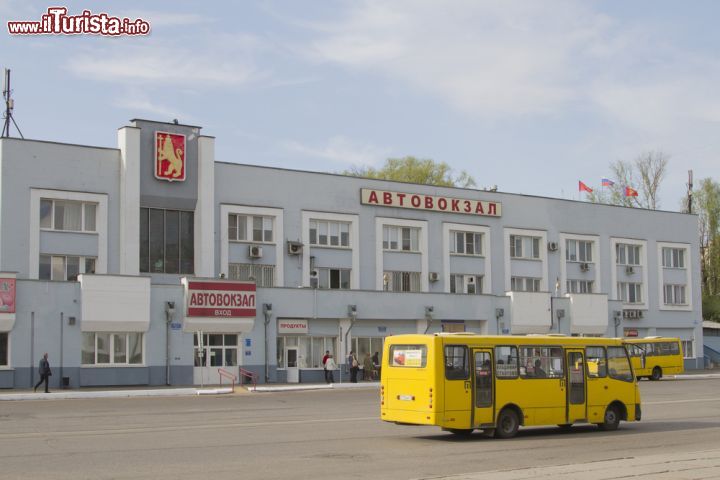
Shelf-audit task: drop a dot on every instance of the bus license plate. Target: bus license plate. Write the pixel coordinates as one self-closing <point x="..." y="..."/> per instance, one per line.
<point x="407" y="398"/>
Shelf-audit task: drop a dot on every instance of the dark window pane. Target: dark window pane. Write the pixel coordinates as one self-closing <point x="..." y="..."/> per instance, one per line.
<point x="334" y="278"/>
<point x="187" y="243"/>
<point x="73" y="268"/>
<point x="4" y="349"/>
<point x="172" y="241"/>
<point x="144" y="241"/>
<point x="157" y="240"/>
<point x="44" y="273"/>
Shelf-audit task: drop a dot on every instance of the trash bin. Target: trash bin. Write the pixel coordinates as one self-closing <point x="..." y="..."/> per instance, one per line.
<point x="65" y="382"/>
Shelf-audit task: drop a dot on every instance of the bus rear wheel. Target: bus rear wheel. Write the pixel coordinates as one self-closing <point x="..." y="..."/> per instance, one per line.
<point x="611" y="421"/>
<point x="508" y="424"/>
<point x="656" y="374"/>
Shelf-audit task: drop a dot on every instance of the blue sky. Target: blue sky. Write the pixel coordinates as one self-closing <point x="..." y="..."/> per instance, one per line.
<point x="530" y="96"/>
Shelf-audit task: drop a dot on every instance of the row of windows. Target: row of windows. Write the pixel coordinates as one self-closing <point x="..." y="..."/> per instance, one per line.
<point x="167" y="241"/>
<point x="311" y="349"/>
<point x="64" y="267"/>
<point x="112" y="348"/>
<point x="253" y="228"/>
<point x="533" y="362"/>
<point x="68" y="216"/>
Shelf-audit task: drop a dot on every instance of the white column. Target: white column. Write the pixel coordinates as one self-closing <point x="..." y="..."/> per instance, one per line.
<point x="205" y="209"/>
<point x="129" y="144"/>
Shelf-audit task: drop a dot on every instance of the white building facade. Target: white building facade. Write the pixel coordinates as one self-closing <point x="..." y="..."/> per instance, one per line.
<point x="105" y="253"/>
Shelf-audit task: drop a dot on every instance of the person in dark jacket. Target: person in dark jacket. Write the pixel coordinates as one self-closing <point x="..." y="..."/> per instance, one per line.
<point x="354" y="366"/>
<point x="45" y="372"/>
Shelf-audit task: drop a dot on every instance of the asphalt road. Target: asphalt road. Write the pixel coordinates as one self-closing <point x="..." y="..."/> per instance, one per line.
<point x="330" y="435"/>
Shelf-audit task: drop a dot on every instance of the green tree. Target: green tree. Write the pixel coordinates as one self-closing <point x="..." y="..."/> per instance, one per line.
<point x="415" y="170"/>
<point x="706" y="204"/>
<point x="643" y="174"/>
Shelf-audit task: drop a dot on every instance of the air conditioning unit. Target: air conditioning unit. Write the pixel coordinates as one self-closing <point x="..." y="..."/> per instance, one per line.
<point x="255" y="251"/>
<point x="584" y="267"/>
<point x="294" y="248"/>
<point x="552" y="246"/>
<point x="434" y="276"/>
<point x="629" y="270"/>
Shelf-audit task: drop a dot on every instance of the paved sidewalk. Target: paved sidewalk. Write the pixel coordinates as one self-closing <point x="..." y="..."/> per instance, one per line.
<point x="677" y="466"/>
<point x="14" y="395"/>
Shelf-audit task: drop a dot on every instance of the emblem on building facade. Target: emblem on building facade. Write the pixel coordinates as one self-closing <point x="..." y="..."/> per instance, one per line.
<point x="170" y="156"/>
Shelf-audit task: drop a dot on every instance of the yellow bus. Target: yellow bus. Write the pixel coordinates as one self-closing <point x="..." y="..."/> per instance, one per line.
<point x="464" y="382"/>
<point x="653" y="357"/>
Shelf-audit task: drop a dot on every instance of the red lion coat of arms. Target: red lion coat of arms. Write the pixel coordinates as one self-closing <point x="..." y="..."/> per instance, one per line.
<point x="169" y="157"/>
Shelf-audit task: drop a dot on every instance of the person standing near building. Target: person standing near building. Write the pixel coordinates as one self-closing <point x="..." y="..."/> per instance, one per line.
<point x="324" y="361"/>
<point x="330" y="366"/>
<point x="368" y="367"/>
<point x="353" y="365"/>
<point x="376" y="363"/>
<point x="45" y="372"/>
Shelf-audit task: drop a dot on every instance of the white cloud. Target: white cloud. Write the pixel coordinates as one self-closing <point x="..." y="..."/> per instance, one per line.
<point x="342" y="150"/>
<point x="515" y="58"/>
<point x="138" y="101"/>
<point x="229" y="63"/>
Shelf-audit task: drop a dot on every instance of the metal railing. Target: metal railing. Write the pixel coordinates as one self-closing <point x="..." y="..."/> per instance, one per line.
<point x="229" y="376"/>
<point x="249" y="375"/>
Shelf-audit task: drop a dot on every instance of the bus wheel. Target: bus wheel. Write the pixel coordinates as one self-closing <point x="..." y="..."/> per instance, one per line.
<point x="507" y="424"/>
<point x="611" y="420"/>
<point x="656" y="374"/>
<point x="461" y="432"/>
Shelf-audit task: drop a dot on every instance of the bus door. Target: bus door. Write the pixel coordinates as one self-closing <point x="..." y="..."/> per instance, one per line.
<point x="483" y="389"/>
<point x="458" y="387"/>
<point x="576" y="397"/>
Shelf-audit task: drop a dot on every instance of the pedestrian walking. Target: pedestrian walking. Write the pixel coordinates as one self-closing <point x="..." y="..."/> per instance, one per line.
<point x="324" y="361"/>
<point x="354" y="366"/>
<point x="45" y="373"/>
<point x="330" y="366"/>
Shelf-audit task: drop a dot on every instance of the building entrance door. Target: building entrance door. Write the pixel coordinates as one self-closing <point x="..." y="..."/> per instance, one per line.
<point x="293" y="372"/>
<point x="219" y="350"/>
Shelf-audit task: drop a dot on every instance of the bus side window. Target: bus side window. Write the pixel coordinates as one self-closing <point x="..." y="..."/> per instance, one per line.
<point x="456" y="362"/>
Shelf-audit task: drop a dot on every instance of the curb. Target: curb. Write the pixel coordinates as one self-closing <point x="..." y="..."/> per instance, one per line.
<point x="320" y="386"/>
<point x="175" y="392"/>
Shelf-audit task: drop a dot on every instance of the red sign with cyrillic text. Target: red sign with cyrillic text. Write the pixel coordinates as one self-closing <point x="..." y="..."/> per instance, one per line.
<point x="417" y="201"/>
<point x="225" y="299"/>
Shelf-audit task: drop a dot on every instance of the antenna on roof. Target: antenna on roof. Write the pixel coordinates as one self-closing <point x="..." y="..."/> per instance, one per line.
<point x="9" y="106"/>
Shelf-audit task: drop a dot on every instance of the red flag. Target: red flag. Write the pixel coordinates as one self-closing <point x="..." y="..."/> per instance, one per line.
<point x="630" y="192"/>
<point x="583" y="188"/>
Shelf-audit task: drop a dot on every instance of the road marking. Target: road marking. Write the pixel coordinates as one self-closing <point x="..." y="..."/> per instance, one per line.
<point x="121" y="431"/>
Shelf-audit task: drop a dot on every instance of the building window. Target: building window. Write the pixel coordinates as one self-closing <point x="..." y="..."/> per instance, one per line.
<point x="364" y="345"/>
<point x="579" y="251"/>
<point x="329" y="234"/>
<point x="630" y="292"/>
<point x="466" y="243"/>
<point x="673" y="257"/>
<point x="627" y="254"/>
<point x="403" y="239"/>
<point x="334" y="278"/>
<point x="402" y="281"/>
<point x="524" y="284"/>
<point x="166" y="241"/>
<point x="249" y="228"/>
<point x="310" y="350"/>
<point x="219" y="350"/>
<point x="68" y="216"/>
<point x="112" y="348"/>
<point x="580" y="286"/>
<point x="4" y="357"/>
<point x="674" y="295"/>
<point x="262" y="275"/>
<point x="64" y="267"/>
<point x="471" y="284"/>
<point x="524" y="247"/>
<point x="688" y="348"/>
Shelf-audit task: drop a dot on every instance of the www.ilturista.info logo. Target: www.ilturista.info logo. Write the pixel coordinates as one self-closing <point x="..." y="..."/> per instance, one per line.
<point x="57" y="22"/>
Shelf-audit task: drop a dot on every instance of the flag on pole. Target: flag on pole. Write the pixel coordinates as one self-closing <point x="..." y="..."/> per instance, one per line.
<point x="606" y="182"/>
<point x="583" y="188"/>
<point x="630" y="192"/>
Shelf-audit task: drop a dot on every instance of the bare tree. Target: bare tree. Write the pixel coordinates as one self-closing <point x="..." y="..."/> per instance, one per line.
<point x="644" y="175"/>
